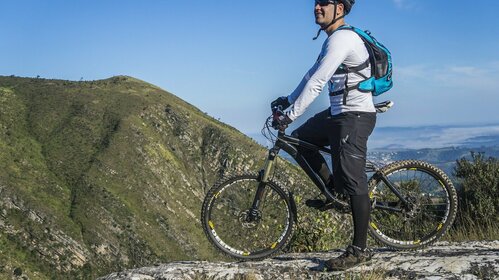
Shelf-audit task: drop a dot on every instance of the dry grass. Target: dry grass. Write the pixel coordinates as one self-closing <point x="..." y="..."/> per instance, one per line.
<point x="468" y="229"/>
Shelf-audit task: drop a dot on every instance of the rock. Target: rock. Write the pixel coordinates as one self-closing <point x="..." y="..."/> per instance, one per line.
<point x="18" y="271"/>
<point x="468" y="260"/>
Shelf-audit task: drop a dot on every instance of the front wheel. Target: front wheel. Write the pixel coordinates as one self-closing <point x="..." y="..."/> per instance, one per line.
<point x="239" y="231"/>
<point x="427" y="208"/>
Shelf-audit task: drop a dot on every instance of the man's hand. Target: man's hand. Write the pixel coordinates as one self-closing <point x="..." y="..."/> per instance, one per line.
<point x="281" y="101"/>
<point x="281" y="122"/>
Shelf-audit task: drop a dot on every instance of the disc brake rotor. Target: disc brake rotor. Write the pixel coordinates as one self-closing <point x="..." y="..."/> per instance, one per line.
<point x="414" y="208"/>
<point x="250" y="219"/>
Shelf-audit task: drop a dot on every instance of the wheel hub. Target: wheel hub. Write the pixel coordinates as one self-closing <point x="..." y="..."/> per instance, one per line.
<point x="413" y="209"/>
<point x="250" y="218"/>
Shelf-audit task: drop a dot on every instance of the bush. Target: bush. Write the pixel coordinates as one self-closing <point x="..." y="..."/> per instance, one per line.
<point x="479" y="180"/>
<point x="479" y="186"/>
<point x="320" y="231"/>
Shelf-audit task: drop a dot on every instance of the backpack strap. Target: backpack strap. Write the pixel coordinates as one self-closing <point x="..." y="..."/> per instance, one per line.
<point x="346" y="70"/>
<point x="343" y="69"/>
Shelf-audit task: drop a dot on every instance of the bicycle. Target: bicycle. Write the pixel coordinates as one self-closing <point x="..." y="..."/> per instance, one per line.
<point x="249" y="216"/>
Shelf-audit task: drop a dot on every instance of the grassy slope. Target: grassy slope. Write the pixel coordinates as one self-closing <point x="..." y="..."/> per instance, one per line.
<point x="106" y="175"/>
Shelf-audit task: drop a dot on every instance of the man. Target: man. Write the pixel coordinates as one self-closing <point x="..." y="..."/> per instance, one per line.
<point x="345" y="126"/>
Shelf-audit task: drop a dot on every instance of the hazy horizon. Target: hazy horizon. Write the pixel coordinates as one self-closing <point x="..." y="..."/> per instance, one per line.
<point x="425" y="137"/>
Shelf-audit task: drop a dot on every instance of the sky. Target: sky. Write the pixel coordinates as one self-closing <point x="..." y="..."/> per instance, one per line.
<point x="232" y="58"/>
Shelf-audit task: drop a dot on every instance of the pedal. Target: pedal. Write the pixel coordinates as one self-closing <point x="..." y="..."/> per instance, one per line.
<point x="316" y="204"/>
<point x="323" y="205"/>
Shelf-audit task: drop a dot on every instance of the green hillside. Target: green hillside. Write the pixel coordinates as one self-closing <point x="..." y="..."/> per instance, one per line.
<point x="105" y="175"/>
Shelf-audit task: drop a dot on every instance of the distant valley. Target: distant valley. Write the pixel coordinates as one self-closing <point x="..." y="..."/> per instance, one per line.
<point x="439" y="145"/>
<point x="434" y="137"/>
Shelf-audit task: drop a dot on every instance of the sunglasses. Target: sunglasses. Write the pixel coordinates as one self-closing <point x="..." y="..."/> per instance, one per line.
<point x="324" y="2"/>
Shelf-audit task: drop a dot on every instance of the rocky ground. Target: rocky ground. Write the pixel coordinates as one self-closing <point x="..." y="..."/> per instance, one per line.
<point x="469" y="260"/>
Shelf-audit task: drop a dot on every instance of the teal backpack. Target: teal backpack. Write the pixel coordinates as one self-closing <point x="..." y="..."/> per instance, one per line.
<point x="380" y="60"/>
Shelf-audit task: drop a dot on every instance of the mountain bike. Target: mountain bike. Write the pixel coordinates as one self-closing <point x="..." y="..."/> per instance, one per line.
<point x="250" y="216"/>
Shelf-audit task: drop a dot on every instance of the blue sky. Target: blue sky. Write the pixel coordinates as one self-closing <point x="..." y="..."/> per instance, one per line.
<point x="231" y="58"/>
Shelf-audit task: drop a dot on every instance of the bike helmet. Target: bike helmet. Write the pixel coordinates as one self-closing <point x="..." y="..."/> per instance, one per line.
<point x="348" y="4"/>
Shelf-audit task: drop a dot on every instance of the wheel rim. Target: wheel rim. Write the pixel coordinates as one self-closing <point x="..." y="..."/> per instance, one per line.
<point x="238" y="231"/>
<point x="422" y="220"/>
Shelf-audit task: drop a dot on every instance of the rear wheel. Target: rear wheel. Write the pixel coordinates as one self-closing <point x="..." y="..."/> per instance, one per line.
<point x="239" y="231"/>
<point x="430" y="210"/>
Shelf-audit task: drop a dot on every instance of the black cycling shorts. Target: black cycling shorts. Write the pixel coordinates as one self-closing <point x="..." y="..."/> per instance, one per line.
<point x="347" y="134"/>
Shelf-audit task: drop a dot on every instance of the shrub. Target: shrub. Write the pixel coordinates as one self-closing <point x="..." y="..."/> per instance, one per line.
<point x="479" y="187"/>
<point x="320" y="231"/>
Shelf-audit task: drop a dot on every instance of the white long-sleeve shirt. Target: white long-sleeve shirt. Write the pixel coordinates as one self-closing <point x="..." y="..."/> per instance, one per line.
<point x="342" y="47"/>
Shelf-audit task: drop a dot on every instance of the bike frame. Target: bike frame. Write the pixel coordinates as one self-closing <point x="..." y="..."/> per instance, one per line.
<point x="290" y="145"/>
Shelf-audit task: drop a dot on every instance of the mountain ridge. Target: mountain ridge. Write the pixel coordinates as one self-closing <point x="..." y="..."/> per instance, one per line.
<point x="99" y="176"/>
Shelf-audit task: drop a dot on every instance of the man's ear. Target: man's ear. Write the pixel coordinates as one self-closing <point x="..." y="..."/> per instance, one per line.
<point x="340" y="9"/>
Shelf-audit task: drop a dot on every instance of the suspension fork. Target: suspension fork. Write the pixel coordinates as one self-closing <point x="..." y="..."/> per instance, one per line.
<point x="263" y="178"/>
